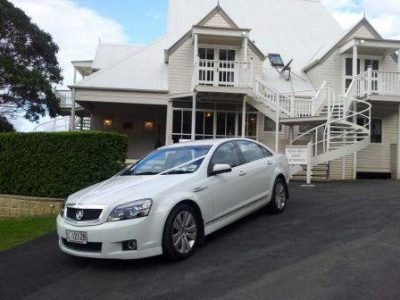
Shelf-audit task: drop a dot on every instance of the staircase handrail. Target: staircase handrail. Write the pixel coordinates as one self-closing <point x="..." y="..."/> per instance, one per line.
<point x="272" y="97"/>
<point x="366" y="113"/>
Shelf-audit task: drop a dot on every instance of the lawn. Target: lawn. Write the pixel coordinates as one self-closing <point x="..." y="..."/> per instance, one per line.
<point x="18" y="231"/>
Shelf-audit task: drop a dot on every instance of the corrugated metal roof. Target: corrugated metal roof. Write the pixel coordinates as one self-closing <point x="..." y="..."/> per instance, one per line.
<point x="144" y="69"/>
<point x="294" y="28"/>
<point x="107" y="54"/>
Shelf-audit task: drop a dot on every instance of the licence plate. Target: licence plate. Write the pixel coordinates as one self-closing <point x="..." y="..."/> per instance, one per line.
<point x="78" y="237"/>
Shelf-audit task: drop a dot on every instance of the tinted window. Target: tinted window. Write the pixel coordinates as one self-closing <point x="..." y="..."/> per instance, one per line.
<point x="250" y="151"/>
<point x="225" y="154"/>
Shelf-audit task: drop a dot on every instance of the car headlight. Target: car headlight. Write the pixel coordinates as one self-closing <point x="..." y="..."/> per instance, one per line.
<point x="131" y="210"/>
<point x="63" y="207"/>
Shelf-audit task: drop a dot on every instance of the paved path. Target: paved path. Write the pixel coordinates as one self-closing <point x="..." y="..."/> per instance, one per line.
<point x="335" y="241"/>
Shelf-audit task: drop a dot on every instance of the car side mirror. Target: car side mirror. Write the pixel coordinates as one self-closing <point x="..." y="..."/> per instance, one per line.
<point x="221" y="168"/>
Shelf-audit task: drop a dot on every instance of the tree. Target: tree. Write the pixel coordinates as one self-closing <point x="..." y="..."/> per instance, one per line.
<point x="28" y="66"/>
<point x="5" y="126"/>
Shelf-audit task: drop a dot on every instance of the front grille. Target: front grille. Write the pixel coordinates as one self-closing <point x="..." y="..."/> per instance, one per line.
<point x="89" y="247"/>
<point x="88" y="214"/>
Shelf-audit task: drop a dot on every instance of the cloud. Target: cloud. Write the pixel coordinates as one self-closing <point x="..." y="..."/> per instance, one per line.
<point x="384" y="15"/>
<point x="333" y="5"/>
<point x="76" y="29"/>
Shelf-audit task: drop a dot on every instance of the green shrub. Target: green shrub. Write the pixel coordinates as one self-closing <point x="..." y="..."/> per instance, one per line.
<point x="58" y="164"/>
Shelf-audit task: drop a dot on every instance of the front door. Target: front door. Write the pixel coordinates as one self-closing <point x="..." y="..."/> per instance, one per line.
<point x="374" y="65"/>
<point x="226" y="67"/>
<point x="215" y="72"/>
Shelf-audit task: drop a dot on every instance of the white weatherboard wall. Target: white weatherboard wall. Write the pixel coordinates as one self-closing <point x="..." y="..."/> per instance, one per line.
<point x="376" y="157"/>
<point x="217" y="20"/>
<point x="141" y="140"/>
<point x="268" y="137"/>
<point x="181" y="66"/>
<point x="129" y="97"/>
<point x="180" y="69"/>
<point x="331" y="70"/>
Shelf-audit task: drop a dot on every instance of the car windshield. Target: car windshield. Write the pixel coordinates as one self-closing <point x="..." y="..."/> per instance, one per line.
<point x="171" y="160"/>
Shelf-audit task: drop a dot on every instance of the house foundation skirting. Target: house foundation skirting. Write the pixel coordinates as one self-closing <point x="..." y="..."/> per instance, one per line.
<point x="12" y="206"/>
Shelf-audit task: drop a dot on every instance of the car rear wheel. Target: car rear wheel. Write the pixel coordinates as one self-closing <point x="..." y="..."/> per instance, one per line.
<point x="181" y="232"/>
<point x="279" y="197"/>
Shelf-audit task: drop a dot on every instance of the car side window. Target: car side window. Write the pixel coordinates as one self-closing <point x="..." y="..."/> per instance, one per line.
<point x="266" y="152"/>
<point x="225" y="154"/>
<point x="251" y="151"/>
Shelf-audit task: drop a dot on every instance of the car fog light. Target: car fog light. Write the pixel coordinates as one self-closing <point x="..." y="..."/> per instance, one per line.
<point x="129" y="245"/>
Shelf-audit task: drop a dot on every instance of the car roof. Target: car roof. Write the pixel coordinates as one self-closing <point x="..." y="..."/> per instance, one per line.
<point x="210" y="142"/>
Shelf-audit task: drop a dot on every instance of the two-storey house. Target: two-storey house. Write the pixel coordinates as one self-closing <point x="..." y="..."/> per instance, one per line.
<point x="282" y="72"/>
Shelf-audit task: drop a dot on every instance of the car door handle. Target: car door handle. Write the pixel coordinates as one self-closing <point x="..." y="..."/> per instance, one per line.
<point x="199" y="189"/>
<point x="242" y="173"/>
<point x="269" y="162"/>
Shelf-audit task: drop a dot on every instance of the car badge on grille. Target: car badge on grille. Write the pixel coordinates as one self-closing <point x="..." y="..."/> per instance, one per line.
<point x="79" y="214"/>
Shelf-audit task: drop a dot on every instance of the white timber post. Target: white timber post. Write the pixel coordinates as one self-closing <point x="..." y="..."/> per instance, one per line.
<point x="195" y="47"/>
<point x="195" y="78"/>
<point x="194" y="102"/>
<point x="309" y="161"/>
<point x="277" y="126"/>
<point x="244" y="117"/>
<point x="369" y="81"/>
<point x="355" y="73"/>
<point x="398" y="144"/>
<point x="245" y="48"/>
<point x="72" y="118"/>
<point x="398" y="60"/>
<point x="168" y="129"/>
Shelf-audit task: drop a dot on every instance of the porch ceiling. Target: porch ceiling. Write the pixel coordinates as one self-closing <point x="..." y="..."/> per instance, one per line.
<point x="371" y="47"/>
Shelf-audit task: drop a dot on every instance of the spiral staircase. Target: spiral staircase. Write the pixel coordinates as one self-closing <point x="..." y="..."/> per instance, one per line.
<point x="339" y="124"/>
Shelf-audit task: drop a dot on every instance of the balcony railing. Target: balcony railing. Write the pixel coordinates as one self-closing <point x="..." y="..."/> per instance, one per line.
<point x="65" y="97"/>
<point x="378" y="83"/>
<point x="222" y="73"/>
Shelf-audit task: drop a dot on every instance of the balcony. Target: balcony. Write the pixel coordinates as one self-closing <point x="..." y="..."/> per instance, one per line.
<point x="375" y="84"/>
<point x="65" y="97"/>
<point x="222" y="75"/>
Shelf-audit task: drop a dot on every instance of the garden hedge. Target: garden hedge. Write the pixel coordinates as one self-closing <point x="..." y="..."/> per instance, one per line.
<point x="60" y="163"/>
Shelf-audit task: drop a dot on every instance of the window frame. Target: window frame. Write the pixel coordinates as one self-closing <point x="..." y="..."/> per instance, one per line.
<point x="362" y="58"/>
<point x="209" y="167"/>
<point x="274" y="130"/>
<point x="263" y="150"/>
<point x="381" y="133"/>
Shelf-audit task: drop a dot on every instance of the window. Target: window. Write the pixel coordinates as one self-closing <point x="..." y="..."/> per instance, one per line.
<point x="376" y="131"/>
<point x="173" y="159"/>
<point x="349" y="66"/>
<point x="250" y="151"/>
<point x="270" y="125"/>
<point x="362" y="65"/>
<point x="373" y="63"/>
<point x="181" y="125"/>
<point x="225" y="154"/>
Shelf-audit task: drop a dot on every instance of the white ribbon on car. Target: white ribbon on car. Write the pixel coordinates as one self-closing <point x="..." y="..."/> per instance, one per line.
<point x="144" y="180"/>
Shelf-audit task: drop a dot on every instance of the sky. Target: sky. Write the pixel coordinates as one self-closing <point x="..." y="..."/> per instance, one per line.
<point x="77" y="26"/>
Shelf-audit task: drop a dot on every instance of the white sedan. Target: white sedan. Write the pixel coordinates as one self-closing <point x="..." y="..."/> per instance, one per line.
<point x="169" y="200"/>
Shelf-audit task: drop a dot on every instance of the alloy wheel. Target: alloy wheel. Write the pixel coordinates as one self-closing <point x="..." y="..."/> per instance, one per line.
<point x="184" y="232"/>
<point x="280" y="195"/>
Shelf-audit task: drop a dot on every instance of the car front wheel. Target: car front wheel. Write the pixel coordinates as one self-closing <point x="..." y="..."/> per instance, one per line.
<point x="181" y="232"/>
<point x="279" y="197"/>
